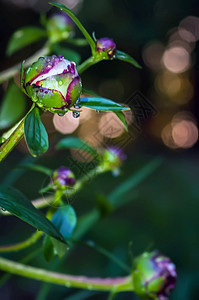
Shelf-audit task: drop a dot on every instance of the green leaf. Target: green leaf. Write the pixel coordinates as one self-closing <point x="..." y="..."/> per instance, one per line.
<point x="60" y="249"/>
<point x="67" y="53"/>
<point x="121" y="116"/>
<point x="37" y="168"/>
<point x="35" y="133"/>
<point x="16" y="203"/>
<point x="48" y="248"/>
<point x="75" y="142"/>
<point x="77" y="42"/>
<point x="104" y="104"/>
<point x="78" y="23"/>
<point x="12" y="107"/>
<point x="23" y="37"/>
<point x="126" y="57"/>
<point x="65" y="220"/>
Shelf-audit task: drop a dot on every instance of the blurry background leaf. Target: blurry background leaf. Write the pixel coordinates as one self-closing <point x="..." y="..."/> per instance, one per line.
<point x="37" y="168"/>
<point x="65" y="220"/>
<point x="126" y="57"/>
<point x="23" y="37"/>
<point x="69" y="54"/>
<point x="16" y="203"/>
<point x="48" y="248"/>
<point x="35" y="133"/>
<point x="12" y="107"/>
<point x="100" y="103"/>
<point x="75" y="142"/>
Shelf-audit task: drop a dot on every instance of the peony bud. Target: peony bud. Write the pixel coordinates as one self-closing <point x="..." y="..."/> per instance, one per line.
<point x="106" y="46"/>
<point x="154" y="276"/>
<point x="62" y="179"/>
<point x="113" y="158"/>
<point x="53" y="83"/>
<point x="59" y="26"/>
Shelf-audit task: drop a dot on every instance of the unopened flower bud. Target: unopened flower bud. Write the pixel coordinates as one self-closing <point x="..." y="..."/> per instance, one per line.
<point x="62" y="179"/>
<point x="106" y="46"/>
<point x="53" y="83"/>
<point x="59" y="26"/>
<point x="154" y="276"/>
<point x="113" y="158"/>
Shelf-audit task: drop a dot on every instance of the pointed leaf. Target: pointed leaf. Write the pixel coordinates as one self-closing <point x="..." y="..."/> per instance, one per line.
<point x="126" y="57"/>
<point x="77" y="22"/>
<point x="75" y="142"/>
<point x="23" y="37"/>
<point x="104" y="104"/>
<point x="121" y="116"/>
<point x="35" y="133"/>
<point x="12" y="107"/>
<point x="16" y="203"/>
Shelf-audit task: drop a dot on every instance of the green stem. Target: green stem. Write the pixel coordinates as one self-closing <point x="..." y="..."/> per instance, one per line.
<point x="102" y="284"/>
<point x="12" y="141"/>
<point x="14" y="138"/>
<point x="19" y="246"/>
<point x="88" y="63"/>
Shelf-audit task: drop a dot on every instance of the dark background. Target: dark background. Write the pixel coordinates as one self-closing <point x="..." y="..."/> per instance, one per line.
<point x="163" y="213"/>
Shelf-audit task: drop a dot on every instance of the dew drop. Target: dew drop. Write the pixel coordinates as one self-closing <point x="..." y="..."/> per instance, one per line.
<point x="41" y="57"/>
<point x="68" y="284"/>
<point x="76" y="114"/>
<point x="60" y="82"/>
<point x="2" y="209"/>
<point x="98" y="111"/>
<point x="90" y="287"/>
<point x="61" y="114"/>
<point x="76" y="106"/>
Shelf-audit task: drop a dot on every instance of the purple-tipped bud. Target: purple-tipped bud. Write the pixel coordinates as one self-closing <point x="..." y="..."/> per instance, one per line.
<point x="53" y="83"/>
<point x="113" y="158"/>
<point x="59" y="27"/>
<point x="62" y="179"/>
<point x="107" y="46"/>
<point x="154" y="276"/>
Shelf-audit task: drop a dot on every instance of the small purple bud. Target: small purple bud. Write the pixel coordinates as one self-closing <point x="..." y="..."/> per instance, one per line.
<point x="59" y="27"/>
<point x="113" y="158"/>
<point x="62" y="179"/>
<point x="106" y="45"/>
<point x="154" y="276"/>
<point x="53" y="83"/>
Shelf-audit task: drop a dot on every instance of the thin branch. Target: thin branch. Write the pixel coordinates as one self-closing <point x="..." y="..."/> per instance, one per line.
<point x="120" y="284"/>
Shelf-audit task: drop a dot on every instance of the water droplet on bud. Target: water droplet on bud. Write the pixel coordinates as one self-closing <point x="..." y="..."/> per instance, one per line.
<point x="98" y="111"/>
<point x="2" y="209"/>
<point x="60" y="82"/>
<point x="76" y="114"/>
<point x="61" y="114"/>
<point x="41" y="57"/>
<point x="76" y="106"/>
